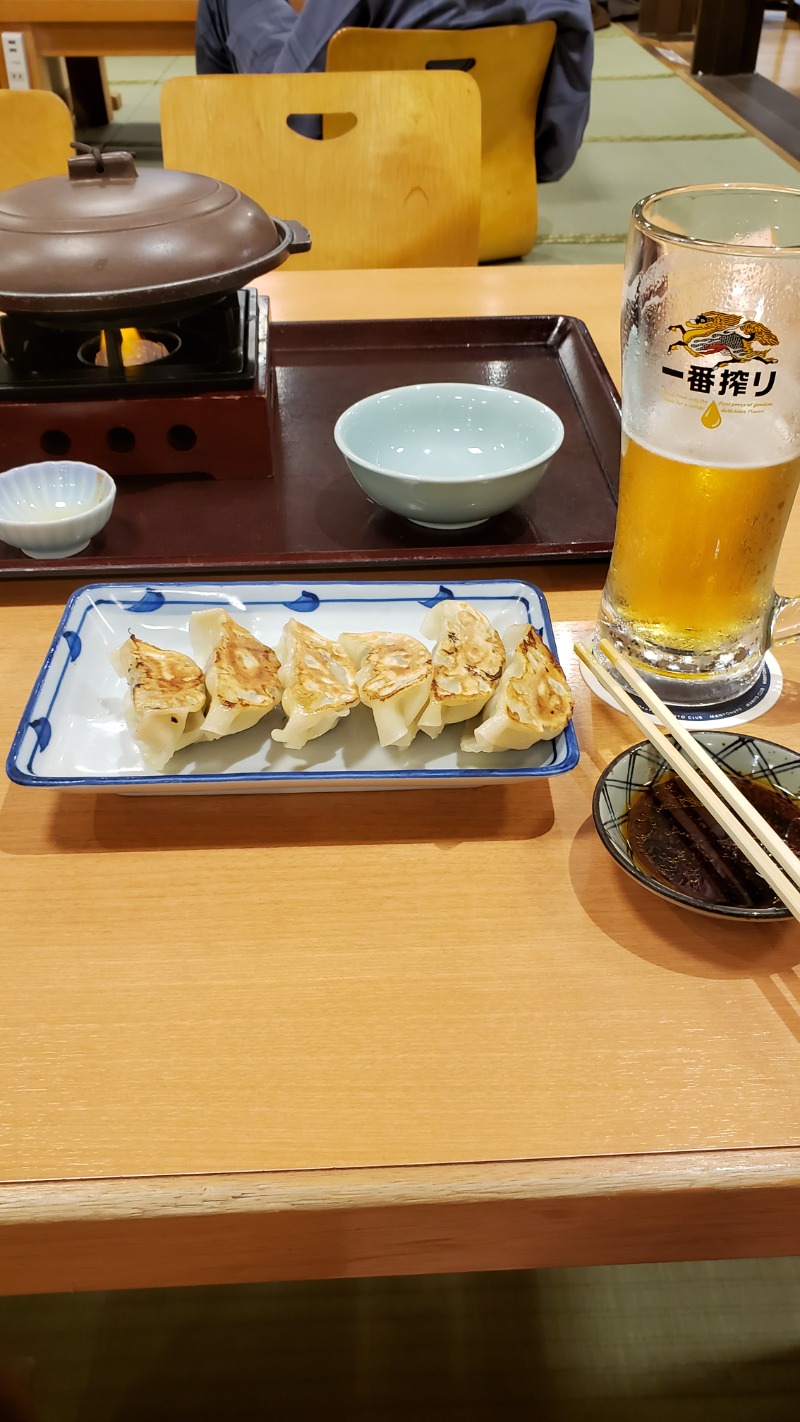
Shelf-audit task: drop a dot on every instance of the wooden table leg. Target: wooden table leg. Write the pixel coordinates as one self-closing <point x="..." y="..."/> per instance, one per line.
<point x="728" y="36"/>
<point x="91" y="97"/>
<point x="667" y="19"/>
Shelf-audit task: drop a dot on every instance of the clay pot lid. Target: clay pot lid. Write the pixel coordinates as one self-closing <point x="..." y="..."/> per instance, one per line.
<point x="106" y="236"/>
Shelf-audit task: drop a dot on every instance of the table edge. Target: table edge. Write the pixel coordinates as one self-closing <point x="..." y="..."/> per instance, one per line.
<point x="52" y="1201"/>
<point x="58" y="1236"/>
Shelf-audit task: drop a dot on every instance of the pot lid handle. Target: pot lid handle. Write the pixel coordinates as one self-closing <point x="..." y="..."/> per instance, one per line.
<point x="93" y="166"/>
<point x="301" y="237"/>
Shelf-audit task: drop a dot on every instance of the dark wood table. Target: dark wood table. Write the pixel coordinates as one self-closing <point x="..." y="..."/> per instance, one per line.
<point x="726" y="32"/>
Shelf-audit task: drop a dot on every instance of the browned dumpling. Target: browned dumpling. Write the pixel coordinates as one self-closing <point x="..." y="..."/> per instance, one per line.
<point x="166" y="698"/>
<point x="319" y="686"/>
<point x="532" y="702"/>
<point x="468" y="661"/>
<point x="394" y="673"/>
<point x="241" y="673"/>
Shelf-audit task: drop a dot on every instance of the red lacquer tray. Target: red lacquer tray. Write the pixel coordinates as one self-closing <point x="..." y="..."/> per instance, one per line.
<point x="312" y="515"/>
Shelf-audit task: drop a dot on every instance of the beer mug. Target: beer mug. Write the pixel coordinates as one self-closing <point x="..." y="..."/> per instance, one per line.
<point x="710" y="437"/>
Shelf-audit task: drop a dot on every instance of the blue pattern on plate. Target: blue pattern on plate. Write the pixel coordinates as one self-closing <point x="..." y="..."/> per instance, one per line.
<point x="73" y="641"/>
<point x="441" y="595"/>
<point x="306" y="602"/>
<point x="150" y="602"/>
<point x="43" y="731"/>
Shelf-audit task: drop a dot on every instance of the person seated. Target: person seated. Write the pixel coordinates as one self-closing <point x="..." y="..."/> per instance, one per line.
<point x="270" y="37"/>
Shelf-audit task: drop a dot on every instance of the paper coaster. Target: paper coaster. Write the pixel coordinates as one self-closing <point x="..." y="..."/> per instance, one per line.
<point x="755" y="702"/>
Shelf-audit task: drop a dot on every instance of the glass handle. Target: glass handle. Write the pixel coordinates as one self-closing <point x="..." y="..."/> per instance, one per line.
<point x="778" y="633"/>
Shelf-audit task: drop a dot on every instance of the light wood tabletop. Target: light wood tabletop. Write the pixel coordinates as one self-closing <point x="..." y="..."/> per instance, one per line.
<point x="329" y="1035"/>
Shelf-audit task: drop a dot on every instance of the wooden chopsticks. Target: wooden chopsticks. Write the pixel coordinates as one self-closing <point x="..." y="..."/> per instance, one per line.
<point x="741" y="821"/>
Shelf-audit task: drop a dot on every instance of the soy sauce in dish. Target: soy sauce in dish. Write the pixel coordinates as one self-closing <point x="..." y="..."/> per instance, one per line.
<point x="680" y="844"/>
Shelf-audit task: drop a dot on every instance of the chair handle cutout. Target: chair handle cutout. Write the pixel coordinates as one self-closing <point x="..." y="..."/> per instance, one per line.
<point x="463" y="64"/>
<point x="324" y="125"/>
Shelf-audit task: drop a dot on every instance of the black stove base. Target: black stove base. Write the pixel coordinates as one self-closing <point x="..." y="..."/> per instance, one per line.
<point x="221" y="432"/>
<point x="211" y="345"/>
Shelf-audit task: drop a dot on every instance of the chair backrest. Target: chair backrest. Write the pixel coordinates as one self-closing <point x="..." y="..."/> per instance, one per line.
<point x="35" y="134"/>
<point x="508" y="63"/>
<point x="400" y="188"/>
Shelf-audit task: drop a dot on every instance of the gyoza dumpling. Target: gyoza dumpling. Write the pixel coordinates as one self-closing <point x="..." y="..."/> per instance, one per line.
<point x="241" y="673"/>
<point x="319" y="686"/>
<point x="532" y="702"/>
<point x="468" y="661"/>
<point x="394" y="676"/>
<point x="165" y="701"/>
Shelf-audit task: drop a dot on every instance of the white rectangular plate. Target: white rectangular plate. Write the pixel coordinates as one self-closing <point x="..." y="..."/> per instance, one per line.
<point x="73" y="733"/>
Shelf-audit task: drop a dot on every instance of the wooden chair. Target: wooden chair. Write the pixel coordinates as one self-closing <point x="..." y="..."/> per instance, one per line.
<point x="35" y="134"/>
<point x="508" y="63"/>
<point x="399" y="188"/>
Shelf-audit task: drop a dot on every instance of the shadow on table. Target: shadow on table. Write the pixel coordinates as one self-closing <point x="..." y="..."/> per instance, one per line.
<point x="680" y="941"/>
<point x="671" y="937"/>
<point x="84" y="823"/>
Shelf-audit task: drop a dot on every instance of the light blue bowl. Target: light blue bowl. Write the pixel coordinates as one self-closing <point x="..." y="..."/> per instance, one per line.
<point x="52" y="509"/>
<point x="448" y="455"/>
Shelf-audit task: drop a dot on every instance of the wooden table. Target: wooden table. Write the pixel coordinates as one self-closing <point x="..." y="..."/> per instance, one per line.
<point x="91" y="27"/>
<point x="84" y="29"/>
<point x="312" y="1036"/>
<point x="80" y="30"/>
<point x="727" y="33"/>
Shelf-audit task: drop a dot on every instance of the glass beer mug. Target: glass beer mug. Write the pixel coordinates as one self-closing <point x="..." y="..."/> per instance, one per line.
<point x="710" y="437"/>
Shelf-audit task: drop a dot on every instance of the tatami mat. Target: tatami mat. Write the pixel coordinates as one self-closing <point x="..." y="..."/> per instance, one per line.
<point x="642" y="136"/>
<point x="617" y="56"/>
<point x="655" y="111"/>
<point x="595" y="198"/>
<point x="703" y="1342"/>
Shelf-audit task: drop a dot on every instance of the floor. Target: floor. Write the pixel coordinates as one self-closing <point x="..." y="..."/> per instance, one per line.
<point x="672" y="1343"/>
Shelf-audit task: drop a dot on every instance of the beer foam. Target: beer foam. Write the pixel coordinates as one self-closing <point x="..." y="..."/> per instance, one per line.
<point x="707" y="457"/>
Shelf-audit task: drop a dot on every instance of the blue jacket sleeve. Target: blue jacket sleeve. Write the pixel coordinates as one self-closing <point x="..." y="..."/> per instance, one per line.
<point x="564" y="103"/>
<point x="267" y="36"/>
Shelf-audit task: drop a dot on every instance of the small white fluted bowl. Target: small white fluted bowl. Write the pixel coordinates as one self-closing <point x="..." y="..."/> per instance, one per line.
<point x="52" y="509"/>
<point x="448" y="455"/>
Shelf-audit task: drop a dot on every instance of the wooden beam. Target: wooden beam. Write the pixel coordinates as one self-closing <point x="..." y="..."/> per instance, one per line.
<point x="667" y="19"/>
<point x="728" y="35"/>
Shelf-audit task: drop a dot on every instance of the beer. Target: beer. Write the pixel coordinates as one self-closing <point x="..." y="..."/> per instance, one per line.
<point x="694" y="557"/>
<point x="710" y="339"/>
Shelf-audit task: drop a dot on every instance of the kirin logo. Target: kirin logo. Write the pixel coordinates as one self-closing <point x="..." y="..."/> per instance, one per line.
<point x="716" y="333"/>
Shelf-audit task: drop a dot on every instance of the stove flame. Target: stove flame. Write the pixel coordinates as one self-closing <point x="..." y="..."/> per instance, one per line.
<point x="136" y="348"/>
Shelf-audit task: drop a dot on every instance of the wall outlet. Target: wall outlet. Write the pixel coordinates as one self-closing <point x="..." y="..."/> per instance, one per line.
<point x="15" y="60"/>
